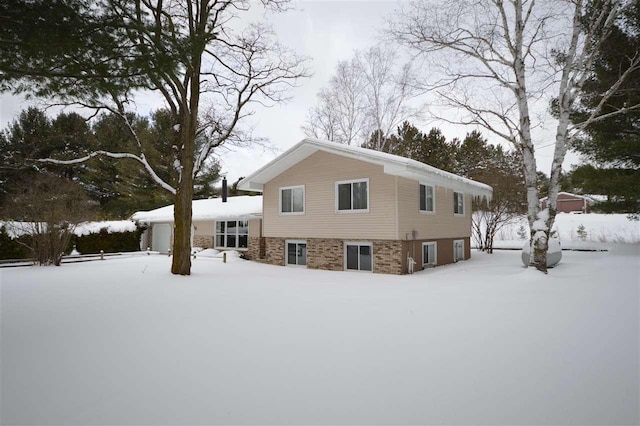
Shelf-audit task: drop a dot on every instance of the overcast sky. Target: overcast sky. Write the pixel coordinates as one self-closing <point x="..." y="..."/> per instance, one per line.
<point x="326" y="32"/>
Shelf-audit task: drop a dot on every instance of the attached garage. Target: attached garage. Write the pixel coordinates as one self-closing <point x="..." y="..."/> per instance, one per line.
<point x="161" y="241"/>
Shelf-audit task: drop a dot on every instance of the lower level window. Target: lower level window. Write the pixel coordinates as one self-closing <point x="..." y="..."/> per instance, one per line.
<point x="458" y="250"/>
<point x="428" y="255"/>
<point x="358" y="257"/>
<point x="296" y="252"/>
<point x="232" y="233"/>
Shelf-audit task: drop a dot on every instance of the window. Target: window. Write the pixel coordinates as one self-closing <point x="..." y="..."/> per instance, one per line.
<point x="458" y="250"/>
<point x="427" y="198"/>
<point x="352" y="195"/>
<point x="292" y="200"/>
<point x="429" y="255"/>
<point x="232" y="233"/>
<point x="458" y="203"/>
<point x="296" y="252"/>
<point x="358" y="257"/>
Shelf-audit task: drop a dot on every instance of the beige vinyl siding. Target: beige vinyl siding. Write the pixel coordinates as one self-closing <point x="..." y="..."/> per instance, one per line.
<point x="255" y="228"/>
<point x="442" y="224"/>
<point x="203" y="228"/>
<point x="318" y="173"/>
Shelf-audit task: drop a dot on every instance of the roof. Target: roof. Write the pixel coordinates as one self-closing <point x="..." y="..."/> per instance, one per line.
<point x="242" y="207"/>
<point x="592" y="198"/>
<point x="393" y="165"/>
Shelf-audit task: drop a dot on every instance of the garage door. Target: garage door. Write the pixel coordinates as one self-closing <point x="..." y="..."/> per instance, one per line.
<point x="161" y="237"/>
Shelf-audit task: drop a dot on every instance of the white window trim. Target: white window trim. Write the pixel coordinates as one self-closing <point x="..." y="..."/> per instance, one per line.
<point x="352" y="211"/>
<point x="304" y="200"/>
<point x="434" y="198"/>
<point x="454" y="250"/>
<point x="435" y="252"/>
<point x="215" y="235"/>
<point x="464" y="207"/>
<point x="286" y="254"/>
<point x="357" y="243"/>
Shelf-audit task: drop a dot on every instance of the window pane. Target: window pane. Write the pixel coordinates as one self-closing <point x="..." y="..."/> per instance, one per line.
<point x="219" y="240"/>
<point x="219" y="227"/>
<point x="243" y="227"/>
<point x="298" y="200"/>
<point x="291" y="253"/>
<point x="344" y="196"/>
<point x="365" y="258"/>
<point x="302" y="254"/>
<point x="352" y="257"/>
<point x="286" y="201"/>
<point x="231" y="227"/>
<point x="231" y="241"/>
<point x="242" y="241"/>
<point x="359" y="195"/>
<point x="423" y="198"/>
<point x="428" y="255"/>
<point x="430" y="198"/>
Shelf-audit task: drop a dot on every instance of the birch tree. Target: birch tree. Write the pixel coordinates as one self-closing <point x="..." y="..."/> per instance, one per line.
<point x="368" y="94"/>
<point x="209" y="74"/>
<point x="494" y="59"/>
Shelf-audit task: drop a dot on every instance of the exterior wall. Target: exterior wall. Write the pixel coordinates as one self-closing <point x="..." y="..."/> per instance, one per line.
<point x="319" y="173"/>
<point x="256" y="248"/>
<point x="444" y="247"/>
<point x="203" y="241"/>
<point x="203" y="228"/>
<point x="567" y="204"/>
<point x="255" y="228"/>
<point x="439" y="225"/>
<point x="389" y="256"/>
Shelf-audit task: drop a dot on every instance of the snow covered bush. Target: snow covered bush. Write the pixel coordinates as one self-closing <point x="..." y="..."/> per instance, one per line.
<point x="107" y="240"/>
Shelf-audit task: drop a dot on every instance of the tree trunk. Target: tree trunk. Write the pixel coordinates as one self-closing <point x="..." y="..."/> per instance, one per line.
<point x="182" y="214"/>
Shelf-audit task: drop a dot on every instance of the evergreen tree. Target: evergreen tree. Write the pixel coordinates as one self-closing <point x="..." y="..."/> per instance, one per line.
<point x="611" y="147"/>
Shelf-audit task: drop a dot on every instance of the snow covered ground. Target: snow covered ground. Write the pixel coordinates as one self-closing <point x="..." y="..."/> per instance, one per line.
<point x="122" y="341"/>
<point x="598" y="228"/>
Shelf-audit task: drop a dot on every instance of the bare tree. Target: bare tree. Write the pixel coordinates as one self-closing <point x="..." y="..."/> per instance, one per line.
<point x="193" y="57"/>
<point x="369" y="94"/>
<point x="494" y="59"/>
<point x="45" y="210"/>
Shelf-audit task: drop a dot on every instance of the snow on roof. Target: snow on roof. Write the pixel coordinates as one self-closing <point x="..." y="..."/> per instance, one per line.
<point x="16" y="229"/>
<point x="112" y="226"/>
<point x="589" y="197"/>
<point x="393" y="165"/>
<point x="211" y="209"/>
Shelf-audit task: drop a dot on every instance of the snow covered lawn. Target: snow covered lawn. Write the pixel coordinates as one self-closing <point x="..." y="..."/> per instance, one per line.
<point x="122" y="341"/>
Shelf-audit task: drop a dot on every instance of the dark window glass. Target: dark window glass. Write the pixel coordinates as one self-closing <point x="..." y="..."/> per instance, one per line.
<point x="423" y="197"/>
<point x="359" y="195"/>
<point x="429" y="198"/>
<point x="298" y="200"/>
<point x="291" y="253"/>
<point x="219" y="240"/>
<point x="242" y="241"/>
<point x="352" y="257"/>
<point x="344" y="196"/>
<point x="231" y="240"/>
<point x="231" y="227"/>
<point x="302" y="254"/>
<point x="286" y="201"/>
<point x="365" y="258"/>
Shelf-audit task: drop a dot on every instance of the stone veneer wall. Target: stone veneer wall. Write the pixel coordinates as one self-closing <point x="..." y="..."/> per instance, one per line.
<point x="274" y="251"/>
<point x="389" y="256"/>
<point x="255" y="249"/>
<point x="328" y="254"/>
<point x="203" y="241"/>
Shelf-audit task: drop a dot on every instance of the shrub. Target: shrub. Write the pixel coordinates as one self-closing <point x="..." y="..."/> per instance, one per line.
<point x="10" y="248"/>
<point x="109" y="242"/>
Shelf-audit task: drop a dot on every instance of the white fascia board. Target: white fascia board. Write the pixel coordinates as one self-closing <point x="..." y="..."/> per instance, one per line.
<point x="256" y="181"/>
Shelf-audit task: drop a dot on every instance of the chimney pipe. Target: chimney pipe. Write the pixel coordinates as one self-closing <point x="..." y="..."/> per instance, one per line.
<point x="224" y="189"/>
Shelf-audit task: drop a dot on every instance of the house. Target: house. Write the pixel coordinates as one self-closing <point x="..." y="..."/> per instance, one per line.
<point x="224" y="225"/>
<point x="339" y="207"/>
<point x="571" y="203"/>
